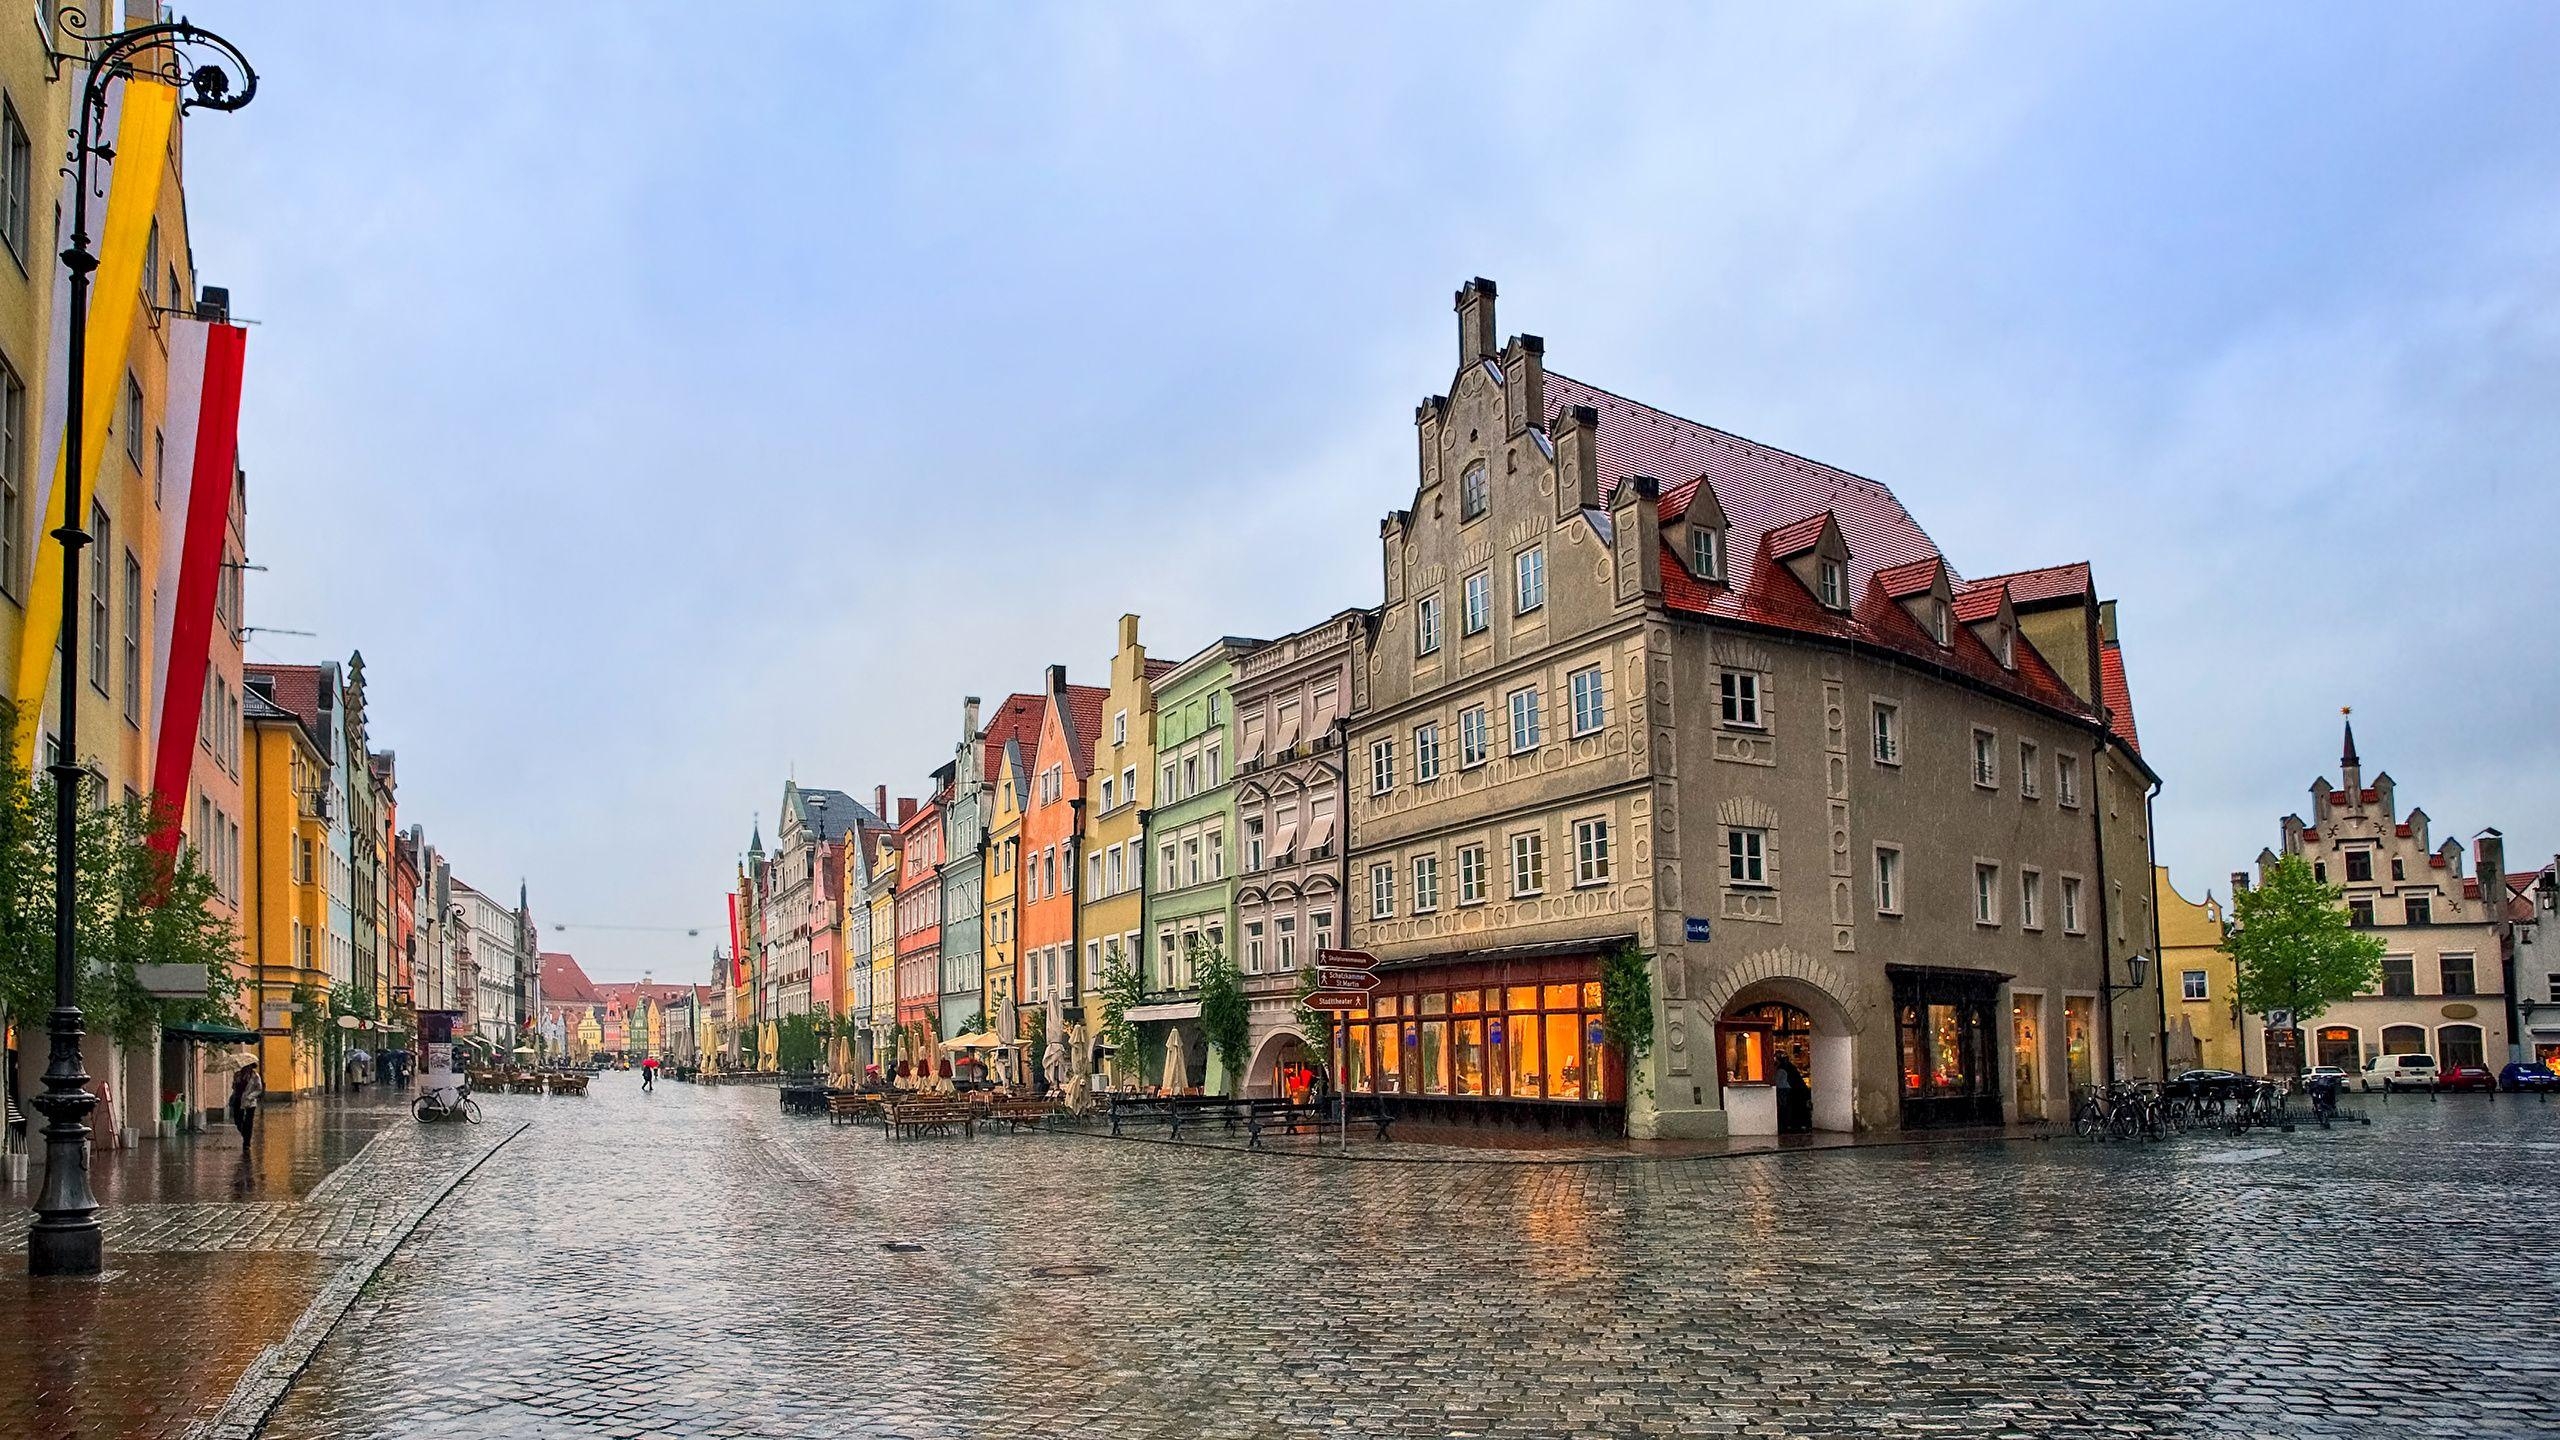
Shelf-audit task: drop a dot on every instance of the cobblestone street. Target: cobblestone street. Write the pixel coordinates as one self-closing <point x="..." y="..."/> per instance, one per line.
<point x="693" y="1263"/>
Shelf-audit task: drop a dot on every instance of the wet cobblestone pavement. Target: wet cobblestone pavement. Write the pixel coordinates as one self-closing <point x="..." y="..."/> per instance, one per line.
<point x="211" y="1265"/>
<point x="695" y="1264"/>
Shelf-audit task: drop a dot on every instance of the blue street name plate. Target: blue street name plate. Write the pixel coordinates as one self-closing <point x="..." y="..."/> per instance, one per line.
<point x="1698" y="930"/>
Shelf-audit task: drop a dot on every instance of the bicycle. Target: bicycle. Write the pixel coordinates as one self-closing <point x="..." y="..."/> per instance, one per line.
<point x="445" y="1104"/>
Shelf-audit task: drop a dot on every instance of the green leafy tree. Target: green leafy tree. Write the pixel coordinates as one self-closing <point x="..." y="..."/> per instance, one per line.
<point x="136" y="907"/>
<point x="1314" y="1026"/>
<point x="797" y="1044"/>
<point x="1123" y="990"/>
<point x="1226" y="1016"/>
<point x="2293" y="947"/>
<point x="1626" y="1001"/>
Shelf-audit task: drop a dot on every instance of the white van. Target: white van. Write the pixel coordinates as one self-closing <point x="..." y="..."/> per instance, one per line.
<point x="2387" y="1073"/>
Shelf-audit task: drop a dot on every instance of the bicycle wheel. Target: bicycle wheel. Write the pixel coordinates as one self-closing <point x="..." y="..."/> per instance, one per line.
<point x="2084" y="1119"/>
<point x="470" y="1109"/>
<point x="418" y="1108"/>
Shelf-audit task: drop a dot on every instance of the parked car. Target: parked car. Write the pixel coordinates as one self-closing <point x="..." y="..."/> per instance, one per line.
<point x="2387" y="1073"/>
<point x="2466" y="1077"/>
<point x="2528" y="1075"/>
<point x="2324" y="1074"/>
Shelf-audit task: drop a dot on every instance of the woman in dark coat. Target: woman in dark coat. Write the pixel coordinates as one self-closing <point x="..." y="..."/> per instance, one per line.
<point x="246" y="1088"/>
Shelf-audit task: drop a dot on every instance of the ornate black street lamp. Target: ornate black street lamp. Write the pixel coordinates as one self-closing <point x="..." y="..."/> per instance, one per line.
<point x="209" y="73"/>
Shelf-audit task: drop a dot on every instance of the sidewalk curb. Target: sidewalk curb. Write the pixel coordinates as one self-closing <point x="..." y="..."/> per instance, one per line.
<point x="1899" y="1142"/>
<point x="262" y="1387"/>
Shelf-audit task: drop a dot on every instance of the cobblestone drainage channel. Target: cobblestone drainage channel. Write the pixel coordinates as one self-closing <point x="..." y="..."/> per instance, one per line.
<point x="1077" y="1271"/>
<point x="900" y="1247"/>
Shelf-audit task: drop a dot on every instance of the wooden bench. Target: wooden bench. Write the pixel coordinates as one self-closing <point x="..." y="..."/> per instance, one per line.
<point x="851" y="1109"/>
<point x="524" y="1084"/>
<point x="1194" y="1110"/>
<point x="1140" y="1110"/>
<point x="1015" y="1114"/>
<point x="568" y="1084"/>
<point x="935" y="1116"/>
<point x="1283" y="1117"/>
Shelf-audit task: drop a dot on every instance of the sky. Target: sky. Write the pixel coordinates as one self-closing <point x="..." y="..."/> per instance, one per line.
<point x="668" y="408"/>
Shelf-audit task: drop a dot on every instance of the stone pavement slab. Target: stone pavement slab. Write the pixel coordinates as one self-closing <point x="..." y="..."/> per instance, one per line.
<point x="699" y="1265"/>
<point x="214" y="1264"/>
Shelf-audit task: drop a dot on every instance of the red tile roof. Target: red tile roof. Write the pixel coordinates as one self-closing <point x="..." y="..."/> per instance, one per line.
<point x="1978" y="602"/>
<point x="297" y="688"/>
<point x="2401" y="829"/>
<point x="1158" y="669"/>
<point x="623" y="994"/>
<point x="1083" y="722"/>
<point x="2118" y="696"/>
<point x="1018" y="718"/>
<point x="1774" y="503"/>
<point x="1904" y="581"/>
<point x="563" y="982"/>
<point x="2052" y="582"/>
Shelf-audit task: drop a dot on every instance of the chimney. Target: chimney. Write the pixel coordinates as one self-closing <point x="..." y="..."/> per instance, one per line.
<point x="2489" y="854"/>
<point x="880" y="801"/>
<point x="1057" y="681"/>
<point x="968" y="718"/>
<point x="1636" y="522"/>
<point x="1475" y="322"/>
<point x="2239" y="884"/>
<point x="213" y="305"/>
<point x="906" y="808"/>
<point x="1524" y="382"/>
<point x="1128" y="631"/>
<point x="1577" y="460"/>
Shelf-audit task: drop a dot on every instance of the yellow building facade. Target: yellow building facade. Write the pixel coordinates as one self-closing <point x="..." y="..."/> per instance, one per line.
<point x="1000" y="908"/>
<point x="883" y="900"/>
<point x="2200" y="985"/>
<point x="1111" y="903"/>
<point x="284" y="904"/>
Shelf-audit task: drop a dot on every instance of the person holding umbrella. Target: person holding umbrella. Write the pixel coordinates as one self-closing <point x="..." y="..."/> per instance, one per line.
<point x="649" y="1074"/>
<point x="247" y="1087"/>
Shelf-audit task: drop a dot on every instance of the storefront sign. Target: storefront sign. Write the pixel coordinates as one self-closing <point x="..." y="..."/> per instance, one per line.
<point x="1699" y="931"/>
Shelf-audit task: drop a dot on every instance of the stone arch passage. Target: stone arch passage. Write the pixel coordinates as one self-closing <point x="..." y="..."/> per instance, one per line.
<point x="1811" y="986"/>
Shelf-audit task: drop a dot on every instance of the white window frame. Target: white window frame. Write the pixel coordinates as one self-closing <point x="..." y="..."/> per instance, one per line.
<point x="1474" y="749"/>
<point x="1120" y="728"/>
<point x="1426" y="752"/>
<point x="1986" y="758"/>
<point x="1529" y="580"/>
<point x="2030" y="770"/>
<point x="1382" y="765"/>
<point x="1382" y="890"/>
<point x="1475" y="604"/>
<point x="2066" y="780"/>
<point x="1986" y="893"/>
<point x="1472" y="888"/>
<point x="1426" y="626"/>
<point x="2030" y="898"/>
<point x="2195" y="985"/>
<point x="1516" y="711"/>
<point x="1426" y="884"/>
<point x="1706" y="552"/>
<point x="1738" y="699"/>
<point x="1253" y="947"/>
<point x="1475" y="493"/>
<point x="1528" y="863"/>
<point x="1589" y="684"/>
<point x="2073" y="922"/>
<point x="1884" y="732"/>
<point x="1592" y="864"/>
<point x="1831" y="583"/>
<point x="1746" y="857"/>
<point x="1888" y="872"/>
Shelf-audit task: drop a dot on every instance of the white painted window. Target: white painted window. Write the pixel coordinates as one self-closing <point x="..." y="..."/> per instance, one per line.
<point x="1888" y="733"/>
<point x="1738" y="698"/>
<point x="1524" y="720"/>
<point x="1426" y="625"/>
<point x="1590" y="704"/>
<point x="2191" y="986"/>
<point x="1528" y="863"/>
<point x="1382" y="891"/>
<point x="1253" y="947"/>
<point x="1475" y="605"/>
<point x="1120" y="728"/>
<point x="2071" y="905"/>
<point x="1746" y="856"/>
<point x="1320" y="924"/>
<point x="1217" y="854"/>
<point x="1426" y="753"/>
<point x="1426" y="883"/>
<point x="1833" y="583"/>
<point x="1986" y="893"/>
<point x="1471" y="876"/>
<point x="1986" y="759"/>
<point x="1474" y="736"/>
<point x="2030" y="899"/>
<point x="1284" y="940"/>
<point x="1472" y="497"/>
<point x="1382" y="766"/>
<point x="2030" y="770"/>
<point x="1529" y="579"/>
<point x="2066" y="779"/>
<point x="1888" y="879"/>
<point x="1191" y="860"/>
<point x="1706" y="553"/>
<point x="1253" y="844"/>
<point x="1591" y="852"/>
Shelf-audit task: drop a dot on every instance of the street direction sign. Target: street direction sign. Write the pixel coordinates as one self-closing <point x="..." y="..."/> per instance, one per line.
<point x="1337" y="1000"/>
<point x="1347" y="959"/>
<point x="1334" y="977"/>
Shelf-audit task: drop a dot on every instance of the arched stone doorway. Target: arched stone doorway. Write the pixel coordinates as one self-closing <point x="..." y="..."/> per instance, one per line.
<point x="1786" y="1059"/>
<point x="2337" y="1045"/>
<point x="1283" y="1067"/>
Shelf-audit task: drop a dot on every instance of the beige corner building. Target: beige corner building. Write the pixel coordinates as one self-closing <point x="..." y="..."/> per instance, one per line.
<point x="1639" y="682"/>
<point x="2206" y="1028"/>
<point x="2443" y="988"/>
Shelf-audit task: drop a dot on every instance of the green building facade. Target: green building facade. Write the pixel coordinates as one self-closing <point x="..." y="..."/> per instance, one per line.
<point x="1191" y="859"/>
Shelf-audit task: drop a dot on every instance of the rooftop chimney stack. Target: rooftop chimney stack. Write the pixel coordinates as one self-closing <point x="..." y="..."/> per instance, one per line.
<point x="1475" y="321"/>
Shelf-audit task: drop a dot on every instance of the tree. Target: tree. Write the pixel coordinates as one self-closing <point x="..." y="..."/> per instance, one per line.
<point x="1314" y="1026"/>
<point x="1123" y="990"/>
<point x="1226" y="1017"/>
<point x="137" y="907"/>
<point x="2293" y="948"/>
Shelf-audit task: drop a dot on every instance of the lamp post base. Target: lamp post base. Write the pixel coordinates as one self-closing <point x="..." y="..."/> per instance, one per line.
<point x="65" y="1238"/>
<point x="75" y="1249"/>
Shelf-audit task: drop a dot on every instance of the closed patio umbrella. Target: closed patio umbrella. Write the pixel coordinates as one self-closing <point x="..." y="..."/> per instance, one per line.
<point x="1177" y="1074"/>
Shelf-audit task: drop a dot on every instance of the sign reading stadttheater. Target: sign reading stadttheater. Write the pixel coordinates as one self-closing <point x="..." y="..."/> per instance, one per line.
<point x="1338" y="1000"/>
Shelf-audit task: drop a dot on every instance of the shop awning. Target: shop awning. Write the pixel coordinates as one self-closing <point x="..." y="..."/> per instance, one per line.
<point x="211" y="1033"/>
<point x="1168" y="1010"/>
<point x="983" y="1040"/>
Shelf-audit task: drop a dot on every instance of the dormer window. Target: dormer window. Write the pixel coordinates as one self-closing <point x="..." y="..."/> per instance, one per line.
<point x="1939" y="630"/>
<point x="1471" y="492"/>
<point x="1706" y="554"/>
<point x="1832" y="583"/>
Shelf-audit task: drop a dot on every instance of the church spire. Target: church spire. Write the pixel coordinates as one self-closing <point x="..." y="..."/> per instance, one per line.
<point x="2347" y="758"/>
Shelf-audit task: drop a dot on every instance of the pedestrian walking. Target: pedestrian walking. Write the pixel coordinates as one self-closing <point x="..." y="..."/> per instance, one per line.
<point x="247" y="1086"/>
<point x="649" y="1073"/>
